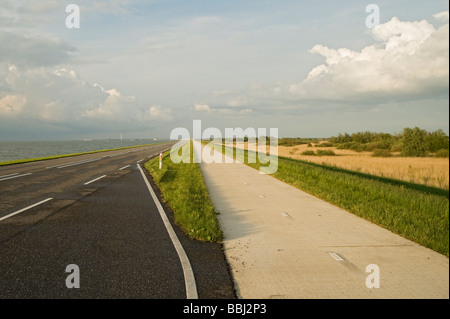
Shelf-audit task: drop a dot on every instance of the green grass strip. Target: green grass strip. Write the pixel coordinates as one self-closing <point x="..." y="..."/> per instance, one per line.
<point x="185" y="192"/>
<point x="21" y="161"/>
<point x="418" y="213"/>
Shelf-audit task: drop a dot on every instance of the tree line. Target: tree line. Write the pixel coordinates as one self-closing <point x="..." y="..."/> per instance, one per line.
<point x="412" y="142"/>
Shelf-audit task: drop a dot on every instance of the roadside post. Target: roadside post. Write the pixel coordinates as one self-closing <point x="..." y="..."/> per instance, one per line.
<point x="160" y="160"/>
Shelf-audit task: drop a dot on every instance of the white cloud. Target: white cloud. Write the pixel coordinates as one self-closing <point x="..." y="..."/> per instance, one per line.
<point x="12" y="105"/>
<point x="157" y="113"/>
<point x="202" y="107"/>
<point x="71" y="74"/>
<point x="237" y="102"/>
<point x="34" y="86"/>
<point x="442" y="16"/>
<point x="115" y="107"/>
<point x="408" y="62"/>
<point x="63" y="97"/>
<point x="411" y="60"/>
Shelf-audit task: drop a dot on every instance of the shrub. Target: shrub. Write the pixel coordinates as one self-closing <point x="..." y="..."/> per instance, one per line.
<point x="291" y="141"/>
<point x="325" y="153"/>
<point x="325" y="144"/>
<point x="414" y="142"/>
<point x="308" y="153"/>
<point x="381" y="153"/>
<point x="437" y="141"/>
<point x="442" y="153"/>
<point x="379" y="145"/>
<point x="397" y="147"/>
<point x="357" y="147"/>
<point x="354" y="146"/>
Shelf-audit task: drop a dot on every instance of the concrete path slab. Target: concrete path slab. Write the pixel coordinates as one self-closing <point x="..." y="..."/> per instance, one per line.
<point x="281" y="242"/>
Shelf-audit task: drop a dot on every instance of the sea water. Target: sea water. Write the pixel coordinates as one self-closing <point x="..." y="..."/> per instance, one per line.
<point x="10" y="151"/>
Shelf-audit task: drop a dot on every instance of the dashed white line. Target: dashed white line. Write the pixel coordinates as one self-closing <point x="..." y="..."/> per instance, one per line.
<point x="94" y="180"/>
<point x="78" y="163"/>
<point x="14" y="176"/>
<point x="124" y="167"/>
<point x="336" y="256"/>
<point x="25" y="209"/>
<point x="74" y="163"/>
<point x="139" y="161"/>
<point x="8" y="175"/>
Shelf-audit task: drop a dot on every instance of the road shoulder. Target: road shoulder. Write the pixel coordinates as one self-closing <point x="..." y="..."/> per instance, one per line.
<point x="212" y="273"/>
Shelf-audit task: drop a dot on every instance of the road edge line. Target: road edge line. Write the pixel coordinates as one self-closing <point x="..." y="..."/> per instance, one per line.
<point x="189" y="278"/>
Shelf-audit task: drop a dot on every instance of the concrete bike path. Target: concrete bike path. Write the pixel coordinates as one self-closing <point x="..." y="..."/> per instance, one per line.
<point x="281" y="242"/>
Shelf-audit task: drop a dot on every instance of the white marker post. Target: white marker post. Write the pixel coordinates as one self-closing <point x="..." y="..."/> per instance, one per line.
<point x="160" y="160"/>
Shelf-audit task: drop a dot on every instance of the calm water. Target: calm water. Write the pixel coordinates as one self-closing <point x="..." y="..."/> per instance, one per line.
<point x="10" y="151"/>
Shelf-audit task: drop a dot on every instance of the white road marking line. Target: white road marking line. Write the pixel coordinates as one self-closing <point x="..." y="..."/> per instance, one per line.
<point x="66" y="164"/>
<point x="74" y="163"/>
<point x="78" y="163"/>
<point x="336" y="256"/>
<point x="8" y="175"/>
<point x="25" y="209"/>
<point x="139" y="161"/>
<point x="124" y="167"/>
<point x="94" y="180"/>
<point x="189" y="279"/>
<point x="15" y="176"/>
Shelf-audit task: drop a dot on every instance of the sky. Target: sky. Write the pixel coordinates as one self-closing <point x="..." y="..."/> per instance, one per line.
<point x="146" y="67"/>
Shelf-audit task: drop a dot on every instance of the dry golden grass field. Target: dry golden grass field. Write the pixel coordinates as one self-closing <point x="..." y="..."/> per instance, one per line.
<point x="424" y="170"/>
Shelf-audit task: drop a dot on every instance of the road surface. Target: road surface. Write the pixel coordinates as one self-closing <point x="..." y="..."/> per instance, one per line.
<point x="95" y="212"/>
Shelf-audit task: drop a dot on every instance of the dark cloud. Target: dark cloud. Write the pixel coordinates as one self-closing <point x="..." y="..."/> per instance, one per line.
<point x="33" y="50"/>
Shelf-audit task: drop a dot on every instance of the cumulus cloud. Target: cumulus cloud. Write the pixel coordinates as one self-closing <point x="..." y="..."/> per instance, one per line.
<point x="237" y="102"/>
<point x="63" y="97"/>
<point x="202" y="107"/>
<point x="36" y="88"/>
<point x="114" y="106"/>
<point x="442" y="16"/>
<point x="157" y="113"/>
<point x="411" y="59"/>
<point x="12" y="105"/>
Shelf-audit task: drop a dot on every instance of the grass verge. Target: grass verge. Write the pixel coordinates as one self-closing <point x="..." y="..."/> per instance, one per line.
<point x="21" y="161"/>
<point x="185" y="192"/>
<point x="416" y="212"/>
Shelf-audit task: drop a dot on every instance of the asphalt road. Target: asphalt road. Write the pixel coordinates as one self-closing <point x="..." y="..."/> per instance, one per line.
<point x="95" y="211"/>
